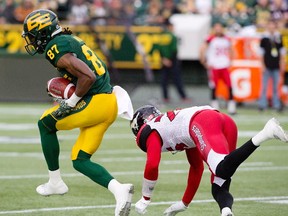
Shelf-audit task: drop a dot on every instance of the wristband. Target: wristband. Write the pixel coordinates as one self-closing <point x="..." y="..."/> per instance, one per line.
<point x="73" y="100"/>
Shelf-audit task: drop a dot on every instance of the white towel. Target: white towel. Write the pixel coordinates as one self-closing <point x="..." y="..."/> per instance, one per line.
<point x="125" y="107"/>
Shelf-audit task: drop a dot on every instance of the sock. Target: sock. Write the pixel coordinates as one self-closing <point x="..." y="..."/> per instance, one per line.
<point x="227" y="167"/>
<point x="50" y="146"/>
<point x="55" y="176"/>
<point x="94" y="171"/>
<point x="259" y="138"/>
<point x="113" y="185"/>
<point x="222" y="195"/>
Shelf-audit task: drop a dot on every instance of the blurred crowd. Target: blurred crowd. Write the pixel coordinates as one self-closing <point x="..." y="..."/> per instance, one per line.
<point x="231" y="13"/>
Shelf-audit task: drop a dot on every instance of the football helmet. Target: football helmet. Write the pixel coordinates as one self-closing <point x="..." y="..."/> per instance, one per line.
<point x="39" y="28"/>
<point x="143" y="115"/>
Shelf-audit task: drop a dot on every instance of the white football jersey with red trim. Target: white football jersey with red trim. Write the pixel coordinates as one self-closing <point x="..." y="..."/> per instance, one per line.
<point x="173" y="128"/>
<point x="218" y="52"/>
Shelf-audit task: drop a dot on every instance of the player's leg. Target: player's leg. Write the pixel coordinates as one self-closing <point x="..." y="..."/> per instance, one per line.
<point x="51" y="150"/>
<point x="177" y="78"/>
<point x="227" y="167"/>
<point x="87" y="144"/>
<point x="164" y="83"/>
<point x="223" y="197"/>
<point x="262" y="103"/>
<point x="231" y="106"/>
<point x="275" y="96"/>
<point x="49" y="125"/>
<point x="216" y="143"/>
<point x="213" y="77"/>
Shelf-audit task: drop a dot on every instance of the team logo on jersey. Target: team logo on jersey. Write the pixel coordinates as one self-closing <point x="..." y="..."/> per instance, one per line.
<point x="38" y="20"/>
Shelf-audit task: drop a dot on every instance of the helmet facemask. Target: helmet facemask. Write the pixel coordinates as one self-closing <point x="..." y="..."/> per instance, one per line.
<point x="35" y="43"/>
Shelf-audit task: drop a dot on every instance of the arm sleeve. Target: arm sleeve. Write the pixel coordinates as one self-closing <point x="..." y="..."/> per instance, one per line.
<point x="195" y="174"/>
<point x="153" y="144"/>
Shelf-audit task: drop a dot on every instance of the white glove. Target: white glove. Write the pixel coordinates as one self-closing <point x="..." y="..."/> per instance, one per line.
<point x="175" y="208"/>
<point x="141" y="205"/>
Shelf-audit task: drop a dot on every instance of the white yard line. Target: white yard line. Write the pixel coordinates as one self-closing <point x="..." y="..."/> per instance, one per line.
<point x="273" y="199"/>
<point x="125" y="173"/>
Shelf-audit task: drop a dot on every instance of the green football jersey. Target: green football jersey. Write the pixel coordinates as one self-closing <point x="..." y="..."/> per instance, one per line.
<point x="62" y="44"/>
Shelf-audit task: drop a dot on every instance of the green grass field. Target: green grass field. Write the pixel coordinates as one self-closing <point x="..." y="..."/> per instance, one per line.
<point x="260" y="186"/>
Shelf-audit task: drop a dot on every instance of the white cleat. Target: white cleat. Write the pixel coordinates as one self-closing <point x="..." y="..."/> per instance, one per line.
<point x="273" y="130"/>
<point x="215" y="104"/>
<point x="231" y="107"/>
<point x="226" y="212"/>
<point x="124" y="200"/>
<point x="48" y="189"/>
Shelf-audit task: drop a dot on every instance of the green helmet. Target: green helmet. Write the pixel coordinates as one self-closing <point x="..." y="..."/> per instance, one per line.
<point x="39" y="28"/>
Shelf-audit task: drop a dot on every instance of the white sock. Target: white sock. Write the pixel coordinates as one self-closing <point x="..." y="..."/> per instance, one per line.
<point x="259" y="138"/>
<point x="113" y="186"/>
<point x="55" y="176"/>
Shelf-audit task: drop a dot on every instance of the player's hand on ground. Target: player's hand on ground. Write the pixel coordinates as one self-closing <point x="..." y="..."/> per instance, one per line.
<point x="175" y="208"/>
<point x="64" y="108"/>
<point x="141" y="205"/>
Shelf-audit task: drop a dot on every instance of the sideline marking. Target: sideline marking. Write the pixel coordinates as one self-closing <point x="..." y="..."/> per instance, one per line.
<point x="273" y="199"/>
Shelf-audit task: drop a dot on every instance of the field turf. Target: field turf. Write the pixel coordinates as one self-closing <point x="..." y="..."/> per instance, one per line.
<point x="260" y="185"/>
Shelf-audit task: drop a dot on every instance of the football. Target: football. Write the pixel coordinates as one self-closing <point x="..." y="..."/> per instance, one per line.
<point x="60" y="87"/>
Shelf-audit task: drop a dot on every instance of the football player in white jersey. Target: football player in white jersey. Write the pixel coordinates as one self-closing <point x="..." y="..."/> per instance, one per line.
<point x="205" y="134"/>
<point x="215" y="55"/>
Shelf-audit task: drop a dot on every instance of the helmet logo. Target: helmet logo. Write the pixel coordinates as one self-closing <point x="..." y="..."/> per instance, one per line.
<point x="38" y="20"/>
<point x="134" y="123"/>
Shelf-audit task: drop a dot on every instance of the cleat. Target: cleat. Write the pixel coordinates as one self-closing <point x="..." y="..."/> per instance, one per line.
<point x="124" y="200"/>
<point x="48" y="189"/>
<point x="273" y="130"/>
<point x="226" y="212"/>
<point x="231" y="108"/>
<point x="215" y="104"/>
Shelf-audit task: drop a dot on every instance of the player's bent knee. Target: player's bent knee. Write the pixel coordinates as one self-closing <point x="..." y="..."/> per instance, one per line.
<point x="47" y="124"/>
<point x="78" y="164"/>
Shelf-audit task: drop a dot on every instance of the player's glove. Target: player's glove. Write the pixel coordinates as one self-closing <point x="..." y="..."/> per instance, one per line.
<point x="175" y="208"/>
<point x="64" y="108"/>
<point x="141" y="205"/>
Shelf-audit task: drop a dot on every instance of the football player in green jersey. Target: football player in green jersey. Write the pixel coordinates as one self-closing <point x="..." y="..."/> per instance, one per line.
<point x="92" y="107"/>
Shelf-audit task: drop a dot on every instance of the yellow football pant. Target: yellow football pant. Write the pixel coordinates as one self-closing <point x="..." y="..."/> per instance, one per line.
<point x="92" y="121"/>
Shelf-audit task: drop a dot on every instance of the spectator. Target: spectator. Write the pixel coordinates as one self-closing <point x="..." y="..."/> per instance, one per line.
<point x="204" y="6"/>
<point x="47" y="4"/>
<point x="263" y="14"/>
<point x="169" y="8"/>
<point x="222" y="13"/>
<point x="187" y="6"/>
<point x="7" y="15"/>
<point x="79" y="13"/>
<point x="244" y="16"/>
<point x="153" y="14"/>
<point x="279" y="12"/>
<point x="98" y="12"/>
<point x="273" y="62"/>
<point x="115" y="12"/>
<point x="171" y="67"/>
<point x="63" y="8"/>
<point x="215" y="55"/>
<point x="22" y="10"/>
